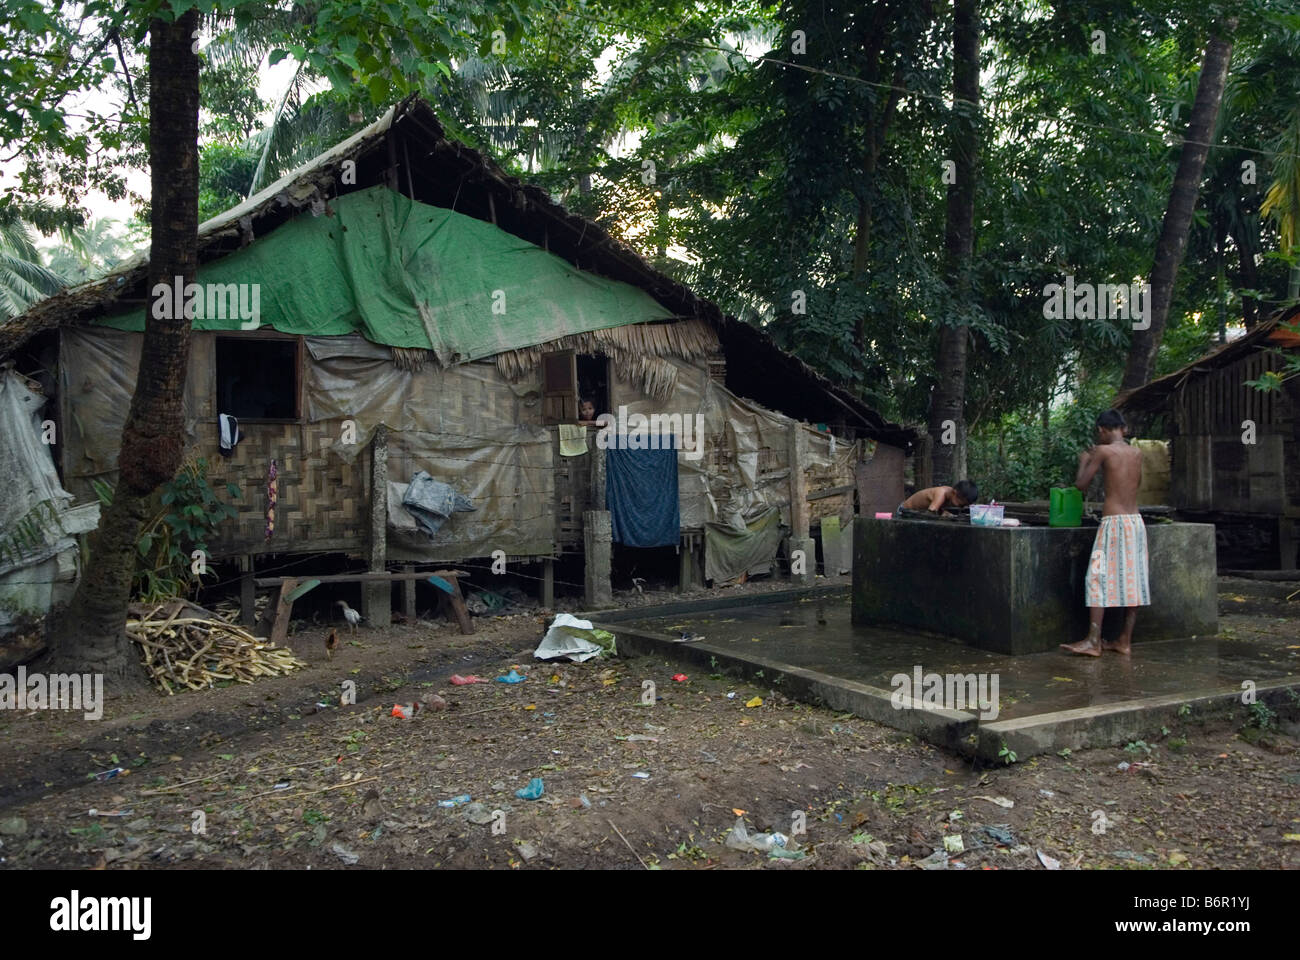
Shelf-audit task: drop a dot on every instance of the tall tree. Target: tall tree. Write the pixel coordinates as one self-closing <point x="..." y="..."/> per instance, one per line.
<point x="88" y="636"/>
<point x="948" y="400"/>
<point x="1182" y="202"/>
<point x="384" y="49"/>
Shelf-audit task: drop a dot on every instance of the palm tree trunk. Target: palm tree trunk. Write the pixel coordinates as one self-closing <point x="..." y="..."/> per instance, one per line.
<point x="1182" y="202"/>
<point x="1247" y="274"/>
<point x="90" y="634"/>
<point x="948" y="398"/>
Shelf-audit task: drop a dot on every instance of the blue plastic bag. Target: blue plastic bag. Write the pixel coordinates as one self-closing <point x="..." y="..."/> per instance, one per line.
<point x="531" y="792"/>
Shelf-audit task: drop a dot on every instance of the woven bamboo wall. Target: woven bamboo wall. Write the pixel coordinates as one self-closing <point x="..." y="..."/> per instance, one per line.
<point x="572" y="494"/>
<point x="322" y="502"/>
<point x="1211" y="468"/>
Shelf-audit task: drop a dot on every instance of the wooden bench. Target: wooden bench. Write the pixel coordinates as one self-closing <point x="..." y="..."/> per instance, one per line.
<point x="289" y="589"/>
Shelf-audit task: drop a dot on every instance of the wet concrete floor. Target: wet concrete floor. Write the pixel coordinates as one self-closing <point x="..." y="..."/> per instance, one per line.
<point x="1027" y="685"/>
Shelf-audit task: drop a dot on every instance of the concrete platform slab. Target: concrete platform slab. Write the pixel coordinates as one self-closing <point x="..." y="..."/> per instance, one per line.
<point x="808" y="648"/>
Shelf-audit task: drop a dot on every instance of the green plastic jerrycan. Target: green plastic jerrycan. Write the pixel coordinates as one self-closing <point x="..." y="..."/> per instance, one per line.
<point x="1066" y="508"/>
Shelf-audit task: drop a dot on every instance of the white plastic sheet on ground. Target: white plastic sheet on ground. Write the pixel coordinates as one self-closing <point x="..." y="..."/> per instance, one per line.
<point x="569" y="637"/>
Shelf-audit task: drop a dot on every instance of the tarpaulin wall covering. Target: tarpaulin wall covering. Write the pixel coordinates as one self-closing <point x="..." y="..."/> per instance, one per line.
<point x="746" y="464"/>
<point x="97" y="373"/>
<point x="465" y="425"/>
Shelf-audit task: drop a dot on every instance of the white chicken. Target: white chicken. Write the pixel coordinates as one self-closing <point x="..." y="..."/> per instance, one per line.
<point x="350" y="615"/>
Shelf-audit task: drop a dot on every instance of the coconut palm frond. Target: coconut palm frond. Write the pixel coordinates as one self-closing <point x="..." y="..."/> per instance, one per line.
<point x="22" y="283"/>
<point x="1282" y="201"/>
<point x="42" y="279"/>
<point x="273" y="137"/>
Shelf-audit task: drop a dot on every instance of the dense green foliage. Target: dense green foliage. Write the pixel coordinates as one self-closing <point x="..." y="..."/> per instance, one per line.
<point x="787" y="159"/>
<point x="186" y="515"/>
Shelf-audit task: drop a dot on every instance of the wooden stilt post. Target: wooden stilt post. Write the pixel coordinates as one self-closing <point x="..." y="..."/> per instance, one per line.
<point x="408" y="593"/>
<point x="247" y="591"/>
<point x="377" y="597"/>
<point x="800" y="541"/>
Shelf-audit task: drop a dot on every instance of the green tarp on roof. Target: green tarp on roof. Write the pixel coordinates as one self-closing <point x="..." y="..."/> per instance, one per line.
<point x="410" y="275"/>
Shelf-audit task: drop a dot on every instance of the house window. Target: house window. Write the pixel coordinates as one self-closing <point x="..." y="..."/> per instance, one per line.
<point x="567" y="380"/>
<point x="560" y="387"/>
<point x="258" y="378"/>
<point x="593" y="383"/>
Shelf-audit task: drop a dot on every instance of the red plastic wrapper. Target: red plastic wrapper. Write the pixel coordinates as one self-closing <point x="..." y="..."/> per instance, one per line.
<point x="680" y="677"/>
<point x="459" y="681"/>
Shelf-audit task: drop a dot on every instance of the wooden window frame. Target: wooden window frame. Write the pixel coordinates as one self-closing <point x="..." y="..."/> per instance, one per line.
<point x="565" y="398"/>
<point x="299" y="351"/>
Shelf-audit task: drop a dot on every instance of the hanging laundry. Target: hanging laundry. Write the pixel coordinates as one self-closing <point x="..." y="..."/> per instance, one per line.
<point x="573" y="440"/>
<point x="641" y="493"/>
<point x="272" y="488"/>
<point x="230" y="434"/>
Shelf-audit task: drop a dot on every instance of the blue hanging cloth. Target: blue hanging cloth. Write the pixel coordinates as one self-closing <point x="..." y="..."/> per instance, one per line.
<point x="641" y="494"/>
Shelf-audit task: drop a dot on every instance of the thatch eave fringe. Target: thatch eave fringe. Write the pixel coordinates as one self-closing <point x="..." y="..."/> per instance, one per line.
<point x="636" y="350"/>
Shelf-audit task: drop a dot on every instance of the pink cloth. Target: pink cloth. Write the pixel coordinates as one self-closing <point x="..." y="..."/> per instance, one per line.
<point x="1117" y="572"/>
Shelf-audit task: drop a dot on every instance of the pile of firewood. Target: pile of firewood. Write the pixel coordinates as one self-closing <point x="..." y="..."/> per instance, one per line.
<point x="187" y="647"/>
<point x="229" y="609"/>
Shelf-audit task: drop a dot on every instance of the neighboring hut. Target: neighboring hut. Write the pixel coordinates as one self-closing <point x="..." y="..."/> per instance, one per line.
<point x="420" y="310"/>
<point x="1234" y="449"/>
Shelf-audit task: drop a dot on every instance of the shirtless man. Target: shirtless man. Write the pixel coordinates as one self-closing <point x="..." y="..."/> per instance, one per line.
<point x="1117" y="572"/>
<point x="938" y="499"/>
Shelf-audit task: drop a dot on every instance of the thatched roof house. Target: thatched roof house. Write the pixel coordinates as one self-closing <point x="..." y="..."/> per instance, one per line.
<point x="403" y="281"/>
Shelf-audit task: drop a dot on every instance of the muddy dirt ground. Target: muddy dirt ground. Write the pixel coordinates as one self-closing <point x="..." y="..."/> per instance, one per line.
<point x="280" y="775"/>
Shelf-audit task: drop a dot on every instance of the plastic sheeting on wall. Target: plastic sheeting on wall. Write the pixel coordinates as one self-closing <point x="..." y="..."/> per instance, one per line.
<point x="754" y="473"/>
<point x="98" y="370"/>
<point x="35" y="523"/>
<point x="509" y="481"/>
<point x="38" y="555"/>
<point x="465" y="426"/>
<point x="346" y="380"/>
<point x="728" y="553"/>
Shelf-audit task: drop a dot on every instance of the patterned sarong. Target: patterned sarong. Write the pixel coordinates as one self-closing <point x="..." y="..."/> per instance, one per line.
<point x="1117" y="573"/>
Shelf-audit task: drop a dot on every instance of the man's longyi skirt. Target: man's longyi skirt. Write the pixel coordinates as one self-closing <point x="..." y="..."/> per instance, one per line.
<point x="1117" y="573"/>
